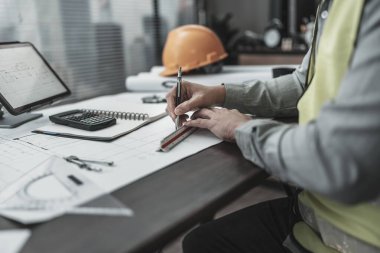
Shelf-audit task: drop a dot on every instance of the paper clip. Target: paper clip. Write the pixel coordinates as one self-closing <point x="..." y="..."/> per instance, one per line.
<point x="173" y="139"/>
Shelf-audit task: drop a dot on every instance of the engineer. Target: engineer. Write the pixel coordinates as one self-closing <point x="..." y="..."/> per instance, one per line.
<point x="333" y="153"/>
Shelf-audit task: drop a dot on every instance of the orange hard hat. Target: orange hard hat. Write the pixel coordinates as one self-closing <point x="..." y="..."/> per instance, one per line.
<point x="191" y="47"/>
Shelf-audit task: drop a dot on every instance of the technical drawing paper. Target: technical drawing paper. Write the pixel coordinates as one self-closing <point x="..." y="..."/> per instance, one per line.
<point x="17" y="159"/>
<point x="50" y="189"/>
<point x="135" y="155"/>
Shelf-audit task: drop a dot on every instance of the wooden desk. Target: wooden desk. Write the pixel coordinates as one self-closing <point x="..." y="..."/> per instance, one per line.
<point x="166" y="204"/>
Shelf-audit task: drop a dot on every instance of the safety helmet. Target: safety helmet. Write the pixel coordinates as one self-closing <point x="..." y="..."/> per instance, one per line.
<point x="191" y="47"/>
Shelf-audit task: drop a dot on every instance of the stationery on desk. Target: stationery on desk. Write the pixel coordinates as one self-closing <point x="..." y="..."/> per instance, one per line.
<point x="173" y="139"/>
<point x="24" y="198"/>
<point x="130" y="117"/>
<point x="134" y="156"/>
<point x="178" y="95"/>
<point x="181" y="133"/>
<point x="127" y="121"/>
<point x="32" y="163"/>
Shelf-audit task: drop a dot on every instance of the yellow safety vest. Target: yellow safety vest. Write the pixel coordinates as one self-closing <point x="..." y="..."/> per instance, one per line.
<point x="326" y="71"/>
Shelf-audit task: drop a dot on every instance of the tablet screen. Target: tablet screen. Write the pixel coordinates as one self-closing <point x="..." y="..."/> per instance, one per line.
<point x="25" y="78"/>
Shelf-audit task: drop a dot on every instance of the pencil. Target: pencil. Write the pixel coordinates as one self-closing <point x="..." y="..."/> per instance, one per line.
<point x="178" y="97"/>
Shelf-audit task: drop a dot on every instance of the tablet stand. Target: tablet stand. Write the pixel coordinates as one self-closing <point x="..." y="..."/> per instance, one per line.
<point x="10" y="121"/>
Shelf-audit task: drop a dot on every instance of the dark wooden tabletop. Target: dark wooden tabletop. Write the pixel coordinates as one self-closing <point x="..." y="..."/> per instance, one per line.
<point x="165" y="203"/>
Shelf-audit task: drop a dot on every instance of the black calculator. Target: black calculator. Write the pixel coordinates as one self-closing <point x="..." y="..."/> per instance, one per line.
<point x="90" y="121"/>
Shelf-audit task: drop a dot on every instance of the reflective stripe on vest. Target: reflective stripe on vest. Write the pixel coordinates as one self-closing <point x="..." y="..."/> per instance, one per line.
<point x="358" y="223"/>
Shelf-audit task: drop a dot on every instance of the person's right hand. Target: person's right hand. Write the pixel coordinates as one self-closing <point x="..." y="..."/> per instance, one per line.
<point x="193" y="97"/>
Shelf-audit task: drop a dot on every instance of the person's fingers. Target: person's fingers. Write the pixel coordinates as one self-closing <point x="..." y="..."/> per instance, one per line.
<point x="170" y="99"/>
<point x="200" y="123"/>
<point x="214" y="109"/>
<point x="182" y="119"/>
<point x="187" y="106"/>
<point x="204" y="113"/>
<point x="167" y="111"/>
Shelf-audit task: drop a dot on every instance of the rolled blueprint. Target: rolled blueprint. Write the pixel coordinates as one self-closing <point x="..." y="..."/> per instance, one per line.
<point x="151" y="81"/>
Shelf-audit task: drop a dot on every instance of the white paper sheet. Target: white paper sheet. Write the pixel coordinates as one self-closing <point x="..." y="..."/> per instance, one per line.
<point x="48" y="191"/>
<point x="17" y="159"/>
<point x="12" y="240"/>
<point x="135" y="155"/>
<point x="236" y="68"/>
<point x="153" y="82"/>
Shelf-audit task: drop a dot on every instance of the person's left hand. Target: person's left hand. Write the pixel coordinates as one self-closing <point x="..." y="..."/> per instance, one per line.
<point x="221" y="122"/>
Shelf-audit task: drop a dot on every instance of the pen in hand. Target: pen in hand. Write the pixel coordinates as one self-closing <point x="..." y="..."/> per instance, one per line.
<point x="178" y="97"/>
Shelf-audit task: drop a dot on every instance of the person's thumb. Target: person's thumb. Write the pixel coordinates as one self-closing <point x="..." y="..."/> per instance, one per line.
<point x="187" y="106"/>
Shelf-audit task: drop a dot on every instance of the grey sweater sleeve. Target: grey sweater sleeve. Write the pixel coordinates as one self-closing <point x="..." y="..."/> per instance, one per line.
<point x="337" y="155"/>
<point x="277" y="97"/>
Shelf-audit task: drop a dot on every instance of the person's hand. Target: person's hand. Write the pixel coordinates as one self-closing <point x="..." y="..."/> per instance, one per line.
<point x="193" y="96"/>
<point x="221" y="122"/>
